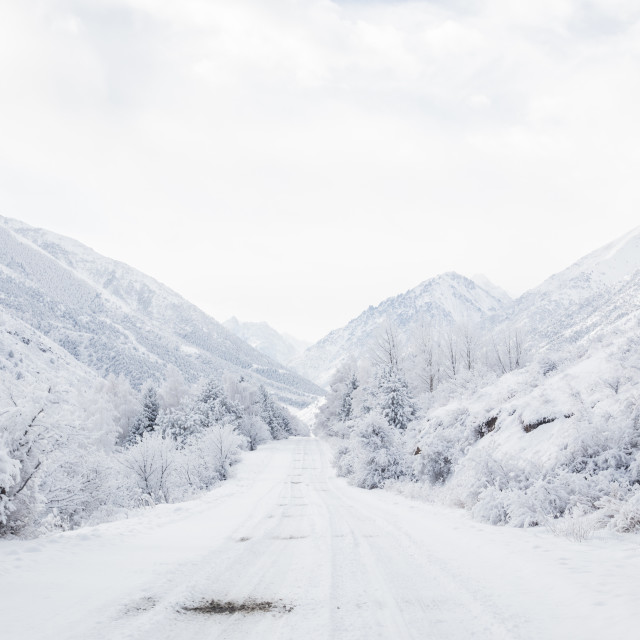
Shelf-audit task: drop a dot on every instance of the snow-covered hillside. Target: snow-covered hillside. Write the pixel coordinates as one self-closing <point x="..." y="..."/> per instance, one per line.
<point x="263" y="337"/>
<point x="534" y="419"/>
<point x="440" y="303"/>
<point x="114" y="319"/>
<point x="568" y="300"/>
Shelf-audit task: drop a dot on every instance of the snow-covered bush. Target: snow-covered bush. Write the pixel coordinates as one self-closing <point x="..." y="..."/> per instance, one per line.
<point x="153" y="465"/>
<point x="623" y="515"/>
<point x="25" y="442"/>
<point x="394" y="399"/>
<point x="377" y="452"/>
<point x="338" y="407"/>
<point x="216" y="451"/>
<point x="255" y="431"/>
<point x="343" y="459"/>
<point x="9" y="476"/>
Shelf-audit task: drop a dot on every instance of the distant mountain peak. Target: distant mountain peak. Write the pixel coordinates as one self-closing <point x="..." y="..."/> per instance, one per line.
<point x="263" y="337"/>
<point x="441" y="301"/>
<point x="482" y="281"/>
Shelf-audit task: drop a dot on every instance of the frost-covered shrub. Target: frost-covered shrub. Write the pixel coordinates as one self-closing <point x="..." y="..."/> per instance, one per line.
<point x="25" y="442"/>
<point x="255" y="431"/>
<point x="215" y="452"/>
<point x="343" y="459"/>
<point x="153" y="464"/>
<point x="623" y="515"/>
<point x="79" y="484"/>
<point x="443" y="439"/>
<point x="338" y="406"/>
<point x="433" y="463"/>
<point x="342" y="430"/>
<point x="377" y="451"/>
<point x="9" y="476"/>
<point x="395" y="402"/>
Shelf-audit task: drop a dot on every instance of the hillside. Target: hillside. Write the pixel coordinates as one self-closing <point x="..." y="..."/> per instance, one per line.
<point x="263" y="337"/>
<point x="559" y="308"/>
<point x="548" y="437"/>
<point x="441" y="302"/>
<point x="114" y="319"/>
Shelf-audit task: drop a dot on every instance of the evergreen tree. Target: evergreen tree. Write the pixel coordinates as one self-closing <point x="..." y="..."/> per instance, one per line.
<point x="146" y="421"/>
<point x="376" y="452"/>
<point x="215" y="406"/>
<point x="274" y="416"/>
<point x="346" y="407"/>
<point x="338" y="406"/>
<point x="395" y="402"/>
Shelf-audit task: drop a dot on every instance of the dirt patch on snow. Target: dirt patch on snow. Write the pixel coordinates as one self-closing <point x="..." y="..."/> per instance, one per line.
<point x="140" y="606"/>
<point x="221" y="607"/>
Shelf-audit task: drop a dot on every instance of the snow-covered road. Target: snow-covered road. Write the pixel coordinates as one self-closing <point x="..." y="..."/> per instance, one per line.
<point x="336" y="561"/>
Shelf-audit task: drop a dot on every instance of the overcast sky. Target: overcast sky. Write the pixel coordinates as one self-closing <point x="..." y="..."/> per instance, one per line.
<point x="297" y="160"/>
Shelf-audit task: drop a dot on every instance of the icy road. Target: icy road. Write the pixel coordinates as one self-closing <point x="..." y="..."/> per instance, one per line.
<point x="318" y="559"/>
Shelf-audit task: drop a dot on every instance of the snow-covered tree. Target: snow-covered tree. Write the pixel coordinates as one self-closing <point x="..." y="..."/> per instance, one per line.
<point x="221" y="446"/>
<point x="274" y="416"/>
<point x="146" y="420"/>
<point x="152" y="461"/>
<point x="377" y="452"/>
<point x="126" y="405"/>
<point x="9" y="478"/>
<point x="255" y="430"/>
<point x="24" y="443"/>
<point x="338" y="407"/>
<point x="241" y="392"/>
<point x="214" y="405"/>
<point x="395" y="401"/>
<point x="173" y="389"/>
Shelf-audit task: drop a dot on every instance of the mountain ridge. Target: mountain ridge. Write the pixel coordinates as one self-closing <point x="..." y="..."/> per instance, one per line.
<point x="263" y="337"/>
<point x="543" y="314"/>
<point x="115" y="319"/>
<point x="441" y="301"/>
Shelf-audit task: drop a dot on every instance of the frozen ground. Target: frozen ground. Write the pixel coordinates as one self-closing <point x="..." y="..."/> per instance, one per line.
<point x="334" y="562"/>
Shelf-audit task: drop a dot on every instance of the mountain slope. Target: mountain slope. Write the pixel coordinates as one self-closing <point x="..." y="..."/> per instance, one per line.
<point x="264" y="338"/>
<point x="554" y="311"/>
<point x="114" y="319"/>
<point x="31" y="365"/>
<point x="440" y="302"/>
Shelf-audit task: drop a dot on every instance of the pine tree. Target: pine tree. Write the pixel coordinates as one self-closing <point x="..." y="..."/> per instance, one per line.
<point x="215" y="406"/>
<point x="275" y="417"/>
<point x="376" y="452"/>
<point x="346" y="407"/>
<point x="338" y="406"/>
<point x="395" y="402"/>
<point x="146" y="421"/>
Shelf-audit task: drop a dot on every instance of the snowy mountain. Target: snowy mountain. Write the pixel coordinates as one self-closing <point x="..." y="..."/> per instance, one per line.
<point x="32" y="365"/>
<point x="263" y="337"/>
<point x="538" y="429"/>
<point x="560" y="309"/>
<point x="559" y="436"/>
<point x="439" y="303"/>
<point x="114" y="319"/>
